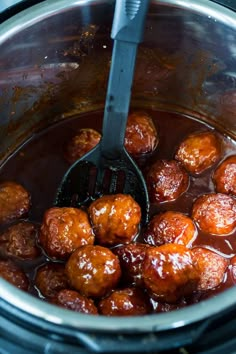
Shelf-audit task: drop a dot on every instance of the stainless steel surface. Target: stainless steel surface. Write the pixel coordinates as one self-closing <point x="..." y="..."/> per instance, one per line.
<point x="54" y="63"/>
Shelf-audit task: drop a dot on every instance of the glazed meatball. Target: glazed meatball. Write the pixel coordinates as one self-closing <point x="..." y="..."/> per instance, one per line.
<point x="199" y="151"/>
<point x="50" y="279"/>
<point x="215" y="213"/>
<point x="170" y="227"/>
<point x="13" y="274"/>
<point x="72" y="300"/>
<point x="141" y="134"/>
<point x="212" y="267"/>
<point x="224" y="176"/>
<point x="131" y="259"/>
<point x="169" y="272"/>
<point x="63" y="230"/>
<point x="125" y="302"/>
<point x="115" y="219"/>
<point x="93" y="270"/>
<point x="84" y="141"/>
<point x="14" y="201"/>
<point x="19" y="240"/>
<point x="166" y="181"/>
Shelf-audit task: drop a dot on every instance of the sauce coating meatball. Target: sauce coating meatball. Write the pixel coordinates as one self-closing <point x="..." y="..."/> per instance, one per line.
<point x="93" y="270"/>
<point x="166" y="181"/>
<point x="72" y="300"/>
<point x="170" y="227"/>
<point x="115" y="219"/>
<point x="131" y="259"/>
<point x="215" y="213"/>
<point x="14" y="201"/>
<point x="212" y="267"/>
<point x="19" y="240"/>
<point x="84" y="141"/>
<point x="141" y="134"/>
<point x="125" y="302"/>
<point x="199" y="151"/>
<point x="63" y="230"/>
<point x="50" y="279"/>
<point x="13" y="274"/>
<point x="224" y="176"/>
<point x="169" y="272"/>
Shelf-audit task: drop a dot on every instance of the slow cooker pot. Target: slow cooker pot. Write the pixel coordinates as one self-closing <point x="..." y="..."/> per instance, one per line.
<point x="54" y="64"/>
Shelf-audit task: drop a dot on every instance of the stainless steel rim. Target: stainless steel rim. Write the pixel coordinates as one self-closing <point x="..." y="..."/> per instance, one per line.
<point x="57" y="316"/>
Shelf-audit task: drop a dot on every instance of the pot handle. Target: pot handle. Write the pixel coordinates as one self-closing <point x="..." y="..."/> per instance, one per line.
<point x="143" y="342"/>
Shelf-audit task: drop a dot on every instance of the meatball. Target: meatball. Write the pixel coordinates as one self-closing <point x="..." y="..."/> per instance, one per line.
<point x="170" y="227"/>
<point x="141" y="134"/>
<point x="50" y="279"/>
<point x="169" y="272"/>
<point x="215" y="213"/>
<point x="115" y="219"/>
<point x="224" y="176"/>
<point x="19" y="240"/>
<point x="84" y="141"/>
<point x="125" y="302"/>
<point x="93" y="270"/>
<point x="72" y="300"/>
<point x="166" y="181"/>
<point x="199" y="151"/>
<point x="131" y="259"/>
<point x="14" y="201"/>
<point x="13" y="274"/>
<point x="212" y="267"/>
<point x="63" y="230"/>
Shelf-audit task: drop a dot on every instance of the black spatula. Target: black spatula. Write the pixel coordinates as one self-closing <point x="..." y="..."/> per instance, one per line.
<point x="108" y="168"/>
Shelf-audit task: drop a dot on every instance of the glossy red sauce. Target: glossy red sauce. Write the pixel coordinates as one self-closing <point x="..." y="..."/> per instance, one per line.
<point x="39" y="166"/>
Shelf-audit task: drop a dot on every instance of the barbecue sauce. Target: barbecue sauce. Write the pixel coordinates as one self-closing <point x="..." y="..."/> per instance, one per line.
<point x="39" y="165"/>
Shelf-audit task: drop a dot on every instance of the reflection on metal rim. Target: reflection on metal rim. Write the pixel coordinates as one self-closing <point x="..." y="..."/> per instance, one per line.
<point x="40" y="310"/>
<point x="43" y="10"/>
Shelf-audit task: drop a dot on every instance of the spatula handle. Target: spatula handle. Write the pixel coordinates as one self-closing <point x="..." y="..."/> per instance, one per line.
<point x="127" y="32"/>
<point x="129" y="20"/>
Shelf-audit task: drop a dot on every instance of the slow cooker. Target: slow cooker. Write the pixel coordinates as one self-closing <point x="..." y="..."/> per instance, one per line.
<point x="41" y="83"/>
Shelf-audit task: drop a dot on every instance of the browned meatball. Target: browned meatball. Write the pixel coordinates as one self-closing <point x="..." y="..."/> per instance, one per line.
<point x="93" y="270"/>
<point x="14" y="201"/>
<point x="125" y="302"/>
<point x="72" y="300"/>
<point x="166" y="181"/>
<point x="169" y="272"/>
<point x="19" y="240"/>
<point x="224" y="176"/>
<point x="199" y="151"/>
<point x="170" y="227"/>
<point x="215" y="213"/>
<point x="63" y="230"/>
<point x="13" y="274"/>
<point x="115" y="219"/>
<point x="141" y="134"/>
<point x="50" y="279"/>
<point x="212" y="267"/>
<point x="131" y="259"/>
<point x="84" y="141"/>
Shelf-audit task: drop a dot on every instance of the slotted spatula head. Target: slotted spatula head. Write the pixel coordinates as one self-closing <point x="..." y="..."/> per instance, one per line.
<point x="108" y="168"/>
<point x="93" y="176"/>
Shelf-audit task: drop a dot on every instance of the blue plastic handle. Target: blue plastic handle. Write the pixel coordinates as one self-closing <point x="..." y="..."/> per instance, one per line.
<point x="129" y="20"/>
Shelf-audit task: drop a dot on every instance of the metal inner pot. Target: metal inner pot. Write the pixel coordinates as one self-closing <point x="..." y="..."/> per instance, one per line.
<point x="54" y="64"/>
